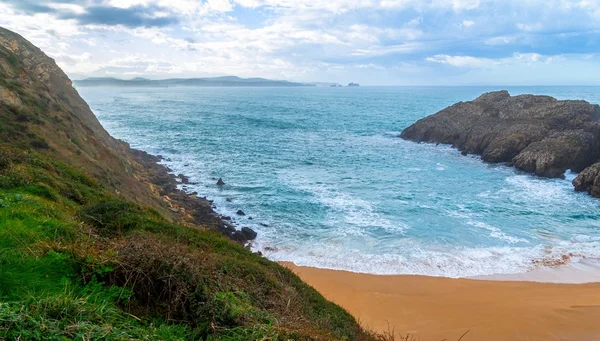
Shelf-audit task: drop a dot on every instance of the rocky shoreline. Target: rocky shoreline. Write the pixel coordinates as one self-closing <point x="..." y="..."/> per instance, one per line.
<point x="537" y="134"/>
<point x="186" y="208"/>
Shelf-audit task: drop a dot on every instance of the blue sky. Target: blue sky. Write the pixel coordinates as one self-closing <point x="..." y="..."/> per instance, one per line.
<point x="373" y="42"/>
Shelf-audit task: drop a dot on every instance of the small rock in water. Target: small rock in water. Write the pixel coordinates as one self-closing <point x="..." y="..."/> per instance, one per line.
<point x="264" y="224"/>
<point x="228" y="199"/>
<point x="220" y="182"/>
<point x="249" y="233"/>
<point x="226" y="217"/>
<point x="250" y="218"/>
<point x="240" y="212"/>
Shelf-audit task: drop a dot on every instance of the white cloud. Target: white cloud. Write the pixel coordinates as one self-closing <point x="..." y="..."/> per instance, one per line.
<point x="462" y="61"/>
<point x="386" y="50"/>
<point x="502" y="40"/>
<point x="483" y="63"/>
<point x="467" y="23"/>
<point x="314" y="38"/>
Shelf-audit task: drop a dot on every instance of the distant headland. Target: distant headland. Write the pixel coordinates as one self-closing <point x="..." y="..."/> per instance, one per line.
<point x="227" y="81"/>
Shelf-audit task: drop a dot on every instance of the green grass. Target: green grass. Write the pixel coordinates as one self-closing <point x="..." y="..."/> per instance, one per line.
<point x="77" y="262"/>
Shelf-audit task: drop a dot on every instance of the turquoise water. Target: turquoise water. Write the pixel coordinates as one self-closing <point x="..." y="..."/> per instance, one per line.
<point x="329" y="184"/>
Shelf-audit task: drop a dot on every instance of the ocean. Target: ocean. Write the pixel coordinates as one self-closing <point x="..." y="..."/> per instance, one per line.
<point x="326" y="182"/>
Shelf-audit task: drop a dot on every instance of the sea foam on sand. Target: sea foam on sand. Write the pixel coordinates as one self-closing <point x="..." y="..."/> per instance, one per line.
<point x="582" y="271"/>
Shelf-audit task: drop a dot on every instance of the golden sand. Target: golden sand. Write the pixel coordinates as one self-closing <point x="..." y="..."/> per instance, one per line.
<point x="433" y="308"/>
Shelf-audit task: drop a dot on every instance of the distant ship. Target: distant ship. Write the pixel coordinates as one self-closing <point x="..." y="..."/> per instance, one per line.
<point x="353" y="84"/>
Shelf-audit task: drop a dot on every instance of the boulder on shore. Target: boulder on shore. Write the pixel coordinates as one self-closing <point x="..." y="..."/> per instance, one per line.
<point x="589" y="180"/>
<point x="249" y="233"/>
<point x="537" y="134"/>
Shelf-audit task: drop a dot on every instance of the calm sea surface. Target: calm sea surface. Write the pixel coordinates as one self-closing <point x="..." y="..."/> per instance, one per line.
<point x="328" y="183"/>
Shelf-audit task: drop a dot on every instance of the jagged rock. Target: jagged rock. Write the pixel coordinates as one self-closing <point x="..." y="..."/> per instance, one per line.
<point x="184" y="179"/>
<point x="227" y="229"/>
<point x="537" y="134"/>
<point x="226" y="218"/>
<point x="240" y="212"/>
<point x="220" y="182"/>
<point x="589" y="180"/>
<point x="239" y="236"/>
<point x="249" y="233"/>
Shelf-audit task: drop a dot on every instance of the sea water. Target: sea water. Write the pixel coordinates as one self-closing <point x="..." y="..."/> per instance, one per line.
<point x="325" y="180"/>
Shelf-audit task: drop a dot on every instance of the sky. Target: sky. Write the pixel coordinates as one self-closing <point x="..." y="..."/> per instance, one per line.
<point x="372" y="42"/>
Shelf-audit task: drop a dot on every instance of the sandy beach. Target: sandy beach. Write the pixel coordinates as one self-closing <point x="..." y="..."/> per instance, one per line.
<point x="433" y="308"/>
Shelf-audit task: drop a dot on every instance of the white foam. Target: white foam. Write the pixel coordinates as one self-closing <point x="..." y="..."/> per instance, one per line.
<point x="446" y="262"/>
<point x="356" y="213"/>
<point x="496" y="232"/>
<point x="570" y="175"/>
<point x="536" y="189"/>
<point x="583" y="271"/>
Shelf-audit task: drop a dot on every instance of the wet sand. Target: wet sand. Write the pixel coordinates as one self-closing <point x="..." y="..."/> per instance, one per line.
<point x="433" y="308"/>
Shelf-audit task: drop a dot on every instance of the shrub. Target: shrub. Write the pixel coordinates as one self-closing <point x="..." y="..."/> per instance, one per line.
<point x="39" y="143"/>
<point x="113" y="218"/>
<point x="41" y="190"/>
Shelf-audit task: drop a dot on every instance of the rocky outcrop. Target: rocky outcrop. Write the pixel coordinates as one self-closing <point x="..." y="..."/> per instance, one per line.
<point x="537" y="134"/>
<point x="589" y="180"/>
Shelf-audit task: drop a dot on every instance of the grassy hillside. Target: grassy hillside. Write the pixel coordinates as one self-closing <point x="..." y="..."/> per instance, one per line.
<point x="89" y="250"/>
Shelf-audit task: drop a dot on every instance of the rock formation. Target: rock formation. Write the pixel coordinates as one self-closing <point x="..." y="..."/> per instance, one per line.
<point x="589" y="180"/>
<point x="537" y="134"/>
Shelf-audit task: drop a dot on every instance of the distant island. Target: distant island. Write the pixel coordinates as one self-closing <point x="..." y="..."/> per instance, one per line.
<point x="353" y="85"/>
<point x="227" y="81"/>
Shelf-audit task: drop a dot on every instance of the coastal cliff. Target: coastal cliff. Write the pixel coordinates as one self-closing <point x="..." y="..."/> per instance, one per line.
<point x="537" y="134"/>
<point x="42" y="111"/>
<point x="97" y="242"/>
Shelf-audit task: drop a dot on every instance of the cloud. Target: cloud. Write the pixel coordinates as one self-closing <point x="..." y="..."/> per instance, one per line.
<point x="142" y="15"/>
<point x="136" y="16"/>
<point x="483" y="63"/>
<point x="467" y="23"/>
<point x="369" y="41"/>
<point x="462" y="61"/>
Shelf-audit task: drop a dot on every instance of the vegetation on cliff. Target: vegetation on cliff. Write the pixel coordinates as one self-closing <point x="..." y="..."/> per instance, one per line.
<point x="89" y="250"/>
